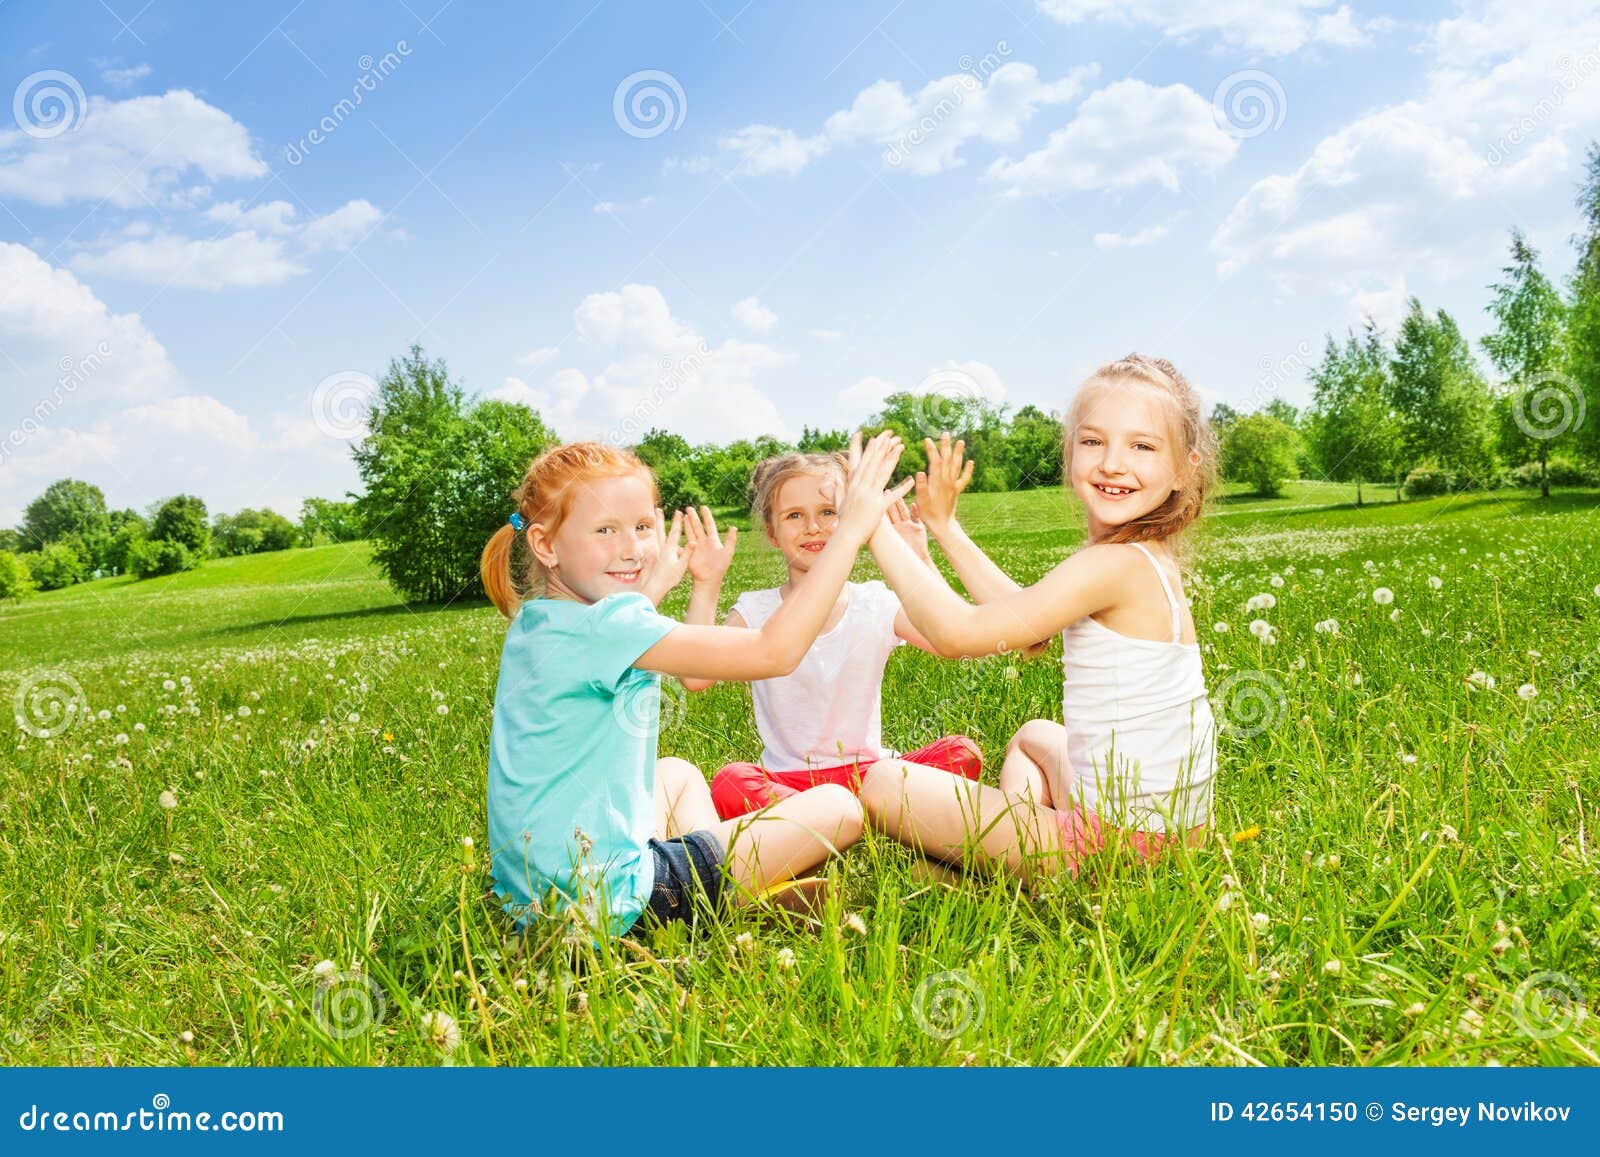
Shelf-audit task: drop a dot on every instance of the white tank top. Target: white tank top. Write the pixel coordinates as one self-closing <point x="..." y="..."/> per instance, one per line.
<point x="1141" y="739"/>
<point x="829" y="710"/>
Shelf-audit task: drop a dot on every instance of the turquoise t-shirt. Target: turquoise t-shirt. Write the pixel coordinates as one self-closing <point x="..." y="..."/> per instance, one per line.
<point x="573" y="749"/>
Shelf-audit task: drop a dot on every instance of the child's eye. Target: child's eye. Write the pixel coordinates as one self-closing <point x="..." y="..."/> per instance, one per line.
<point x="1143" y="446"/>
<point x="605" y="530"/>
<point x="645" y="526"/>
<point x="830" y="514"/>
<point x="1090" y="442"/>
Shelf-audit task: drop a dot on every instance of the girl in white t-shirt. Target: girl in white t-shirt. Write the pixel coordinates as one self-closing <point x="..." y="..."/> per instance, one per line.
<point x="823" y="722"/>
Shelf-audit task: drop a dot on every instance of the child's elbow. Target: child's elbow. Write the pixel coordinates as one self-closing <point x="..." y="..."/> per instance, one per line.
<point x="694" y="685"/>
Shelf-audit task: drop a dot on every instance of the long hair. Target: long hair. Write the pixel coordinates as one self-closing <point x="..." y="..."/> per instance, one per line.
<point x="1191" y="431"/>
<point x="511" y="573"/>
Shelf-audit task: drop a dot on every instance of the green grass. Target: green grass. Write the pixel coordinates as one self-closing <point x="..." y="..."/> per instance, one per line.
<point x="1432" y="842"/>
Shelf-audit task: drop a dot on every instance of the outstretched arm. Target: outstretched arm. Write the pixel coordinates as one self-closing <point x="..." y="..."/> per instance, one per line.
<point x="1091" y="580"/>
<point x="709" y="559"/>
<point x="938" y="488"/>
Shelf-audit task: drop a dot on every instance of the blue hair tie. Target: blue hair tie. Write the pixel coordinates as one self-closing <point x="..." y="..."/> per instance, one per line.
<point x="517" y="521"/>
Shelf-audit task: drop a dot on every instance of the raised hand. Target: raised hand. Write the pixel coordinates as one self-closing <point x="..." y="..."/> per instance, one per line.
<point x="907" y="522"/>
<point x="709" y="554"/>
<point x="941" y="484"/>
<point x="671" y="558"/>
<point x="865" y="500"/>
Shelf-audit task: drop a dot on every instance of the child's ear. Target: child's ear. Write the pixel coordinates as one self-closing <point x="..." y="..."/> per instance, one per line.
<point x="539" y="542"/>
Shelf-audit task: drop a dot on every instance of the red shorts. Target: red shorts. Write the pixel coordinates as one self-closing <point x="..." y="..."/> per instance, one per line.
<point x="741" y="788"/>
<point x="1082" y="835"/>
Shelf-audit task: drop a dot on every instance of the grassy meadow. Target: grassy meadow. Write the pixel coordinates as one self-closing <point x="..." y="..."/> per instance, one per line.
<point x="249" y="848"/>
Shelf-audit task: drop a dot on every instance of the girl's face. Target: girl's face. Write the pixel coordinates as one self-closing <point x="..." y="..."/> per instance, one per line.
<point x="1125" y="458"/>
<point x="804" y="515"/>
<point x="607" y="543"/>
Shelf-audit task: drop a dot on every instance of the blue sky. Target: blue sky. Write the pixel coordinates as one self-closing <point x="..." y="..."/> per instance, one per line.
<point x="838" y="200"/>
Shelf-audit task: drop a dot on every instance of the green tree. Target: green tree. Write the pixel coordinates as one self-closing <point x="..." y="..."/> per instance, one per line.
<point x="1259" y="450"/>
<point x="182" y="520"/>
<point x="124" y="539"/>
<point x="1032" y="448"/>
<point x="251" y="532"/>
<point x="16" y="580"/>
<point x="439" y="477"/>
<point x="324" y="520"/>
<point x="1350" y="430"/>
<point x="1444" y="407"/>
<point x="820" y="441"/>
<point x="54" y="566"/>
<point x="66" y="507"/>
<point x="150" y="557"/>
<point x="1527" y="349"/>
<point x="1583" y="318"/>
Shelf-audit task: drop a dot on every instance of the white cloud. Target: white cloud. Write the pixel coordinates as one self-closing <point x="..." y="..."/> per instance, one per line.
<point x="51" y="324"/>
<point x="119" y="77"/>
<point x="859" y="402"/>
<point x="538" y="357"/>
<point x="272" y="217"/>
<point x="341" y="228"/>
<point x="653" y="370"/>
<point x="825" y="334"/>
<point x="1420" y="184"/>
<point x="1124" y="135"/>
<point x="922" y="132"/>
<point x="762" y="149"/>
<point x="128" y="153"/>
<point x="1272" y="27"/>
<point x="1130" y="240"/>
<point x="1385" y="305"/>
<point x="239" y="259"/>
<point x="754" y="316"/>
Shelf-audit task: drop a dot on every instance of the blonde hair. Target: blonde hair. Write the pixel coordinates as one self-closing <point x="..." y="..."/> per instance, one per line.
<point x="511" y="573"/>
<point x="771" y="473"/>
<point x="1192" y="432"/>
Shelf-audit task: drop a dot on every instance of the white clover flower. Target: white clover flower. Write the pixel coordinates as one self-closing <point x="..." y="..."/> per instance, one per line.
<point x="323" y="970"/>
<point x="1326" y="627"/>
<point x="441" y="710"/>
<point x="353" y="717"/>
<point x="1333" y="968"/>
<point x="1220" y="628"/>
<point x="1261" y="602"/>
<point x="1383" y="596"/>
<point x="168" y="685"/>
<point x="1276" y="580"/>
<point x="1355" y="679"/>
<point x="121" y="707"/>
<point x="244" y="711"/>
<point x="1435" y="581"/>
<point x="1395" y="616"/>
<point x="785" y="959"/>
<point x="102" y="714"/>
<point x="122" y="737"/>
<point x="1407" y="758"/>
<point x="1260" y="628"/>
<point x="856" y="924"/>
<point x="1225" y="901"/>
<point x="1261" y="920"/>
<point x="1527" y="691"/>
<point x="441" y="1031"/>
<point x="466" y="842"/>
<point x="1481" y="680"/>
<point x="138" y="726"/>
<point x="1597" y="592"/>
<point x="167" y="800"/>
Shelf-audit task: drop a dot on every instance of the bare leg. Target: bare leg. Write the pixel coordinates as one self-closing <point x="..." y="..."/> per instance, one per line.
<point x="792" y="836"/>
<point x="1036" y="764"/>
<point x="683" y="800"/>
<point x="948" y="817"/>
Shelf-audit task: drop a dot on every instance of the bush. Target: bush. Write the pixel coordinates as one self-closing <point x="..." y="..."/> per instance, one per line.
<point x="158" y="556"/>
<point x="1428" y="478"/>
<point x="1563" y="471"/>
<point x="54" y="567"/>
<point x="16" y="580"/>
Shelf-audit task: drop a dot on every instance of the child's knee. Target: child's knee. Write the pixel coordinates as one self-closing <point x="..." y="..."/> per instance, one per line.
<point x="883" y="784"/>
<point x="1035" y="733"/>
<point x="842" y="807"/>
<point x="675" y="771"/>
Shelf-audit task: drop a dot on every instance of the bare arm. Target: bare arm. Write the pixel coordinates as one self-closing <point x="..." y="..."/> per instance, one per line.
<point x="938" y="488"/>
<point x="777" y="648"/>
<point x="1090" y="581"/>
<point x="734" y="619"/>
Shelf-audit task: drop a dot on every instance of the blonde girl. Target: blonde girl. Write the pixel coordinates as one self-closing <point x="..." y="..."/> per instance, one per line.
<point x="584" y="819"/>
<point x="1136" y="744"/>
<point x="822" y="723"/>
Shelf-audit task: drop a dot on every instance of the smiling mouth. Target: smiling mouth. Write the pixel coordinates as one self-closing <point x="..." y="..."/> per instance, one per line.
<point x="813" y="547"/>
<point x="1113" y="491"/>
<point x="626" y="576"/>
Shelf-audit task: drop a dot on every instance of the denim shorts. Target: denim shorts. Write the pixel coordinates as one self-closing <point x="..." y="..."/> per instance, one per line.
<point x="689" y="872"/>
